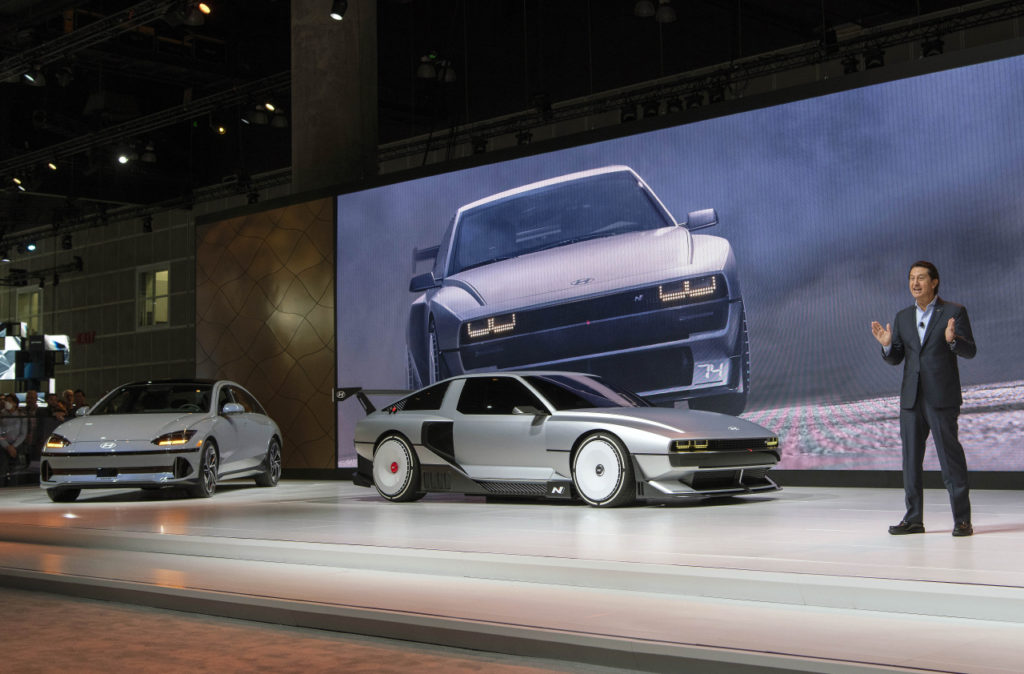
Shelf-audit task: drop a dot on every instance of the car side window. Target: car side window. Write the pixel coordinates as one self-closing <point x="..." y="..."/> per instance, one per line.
<point x="223" y="398"/>
<point x="427" y="399"/>
<point x="495" y="395"/>
<point x="247" y="402"/>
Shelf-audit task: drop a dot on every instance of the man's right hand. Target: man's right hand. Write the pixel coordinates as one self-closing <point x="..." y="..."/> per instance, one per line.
<point x="883" y="335"/>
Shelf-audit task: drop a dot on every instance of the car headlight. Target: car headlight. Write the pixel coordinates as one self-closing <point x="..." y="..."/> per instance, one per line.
<point x="689" y="445"/>
<point x="57" y="441"/>
<point x="492" y="326"/>
<point x="175" y="439"/>
<point x="693" y="290"/>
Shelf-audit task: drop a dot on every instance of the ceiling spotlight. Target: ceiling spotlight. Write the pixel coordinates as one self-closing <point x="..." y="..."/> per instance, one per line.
<point x="4" y="255"/>
<point x="122" y="158"/>
<point x="270" y="106"/>
<point x="196" y="14"/>
<point x="338" y="8"/>
<point x="219" y="129"/>
<point x="35" y="78"/>
<point x="628" y="113"/>
<point x="651" y="108"/>
<point x="665" y="12"/>
<point x="644" y="9"/>
<point x="851" y="64"/>
<point x="51" y="165"/>
<point x="694" y="100"/>
<point x="673" y="105"/>
<point x="30" y="246"/>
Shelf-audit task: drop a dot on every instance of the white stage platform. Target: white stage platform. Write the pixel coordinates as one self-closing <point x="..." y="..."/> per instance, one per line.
<point x="806" y="579"/>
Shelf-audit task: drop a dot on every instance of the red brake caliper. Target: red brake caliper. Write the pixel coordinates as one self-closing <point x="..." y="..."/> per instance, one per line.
<point x="394" y="466"/>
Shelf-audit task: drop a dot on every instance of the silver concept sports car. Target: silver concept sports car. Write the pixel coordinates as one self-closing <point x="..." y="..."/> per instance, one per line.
<point x="557" y="435"/>
<point x="166" y="433"/>
<point x="586" y="272"/>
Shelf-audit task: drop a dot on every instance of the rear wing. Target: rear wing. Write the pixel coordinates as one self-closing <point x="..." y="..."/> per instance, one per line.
<point x="363" y="395"/>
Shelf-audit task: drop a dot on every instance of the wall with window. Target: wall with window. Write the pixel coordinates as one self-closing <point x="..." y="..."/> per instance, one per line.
<point x="129" y="313"/>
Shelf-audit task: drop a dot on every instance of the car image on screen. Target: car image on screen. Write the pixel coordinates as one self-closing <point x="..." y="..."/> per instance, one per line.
<point x="587" y="272"/>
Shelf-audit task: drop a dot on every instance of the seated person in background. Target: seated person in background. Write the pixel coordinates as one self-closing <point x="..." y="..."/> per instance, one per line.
<point x="12" y="434"/>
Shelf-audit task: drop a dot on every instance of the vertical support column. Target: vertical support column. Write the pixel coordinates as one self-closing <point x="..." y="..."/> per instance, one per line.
<point x="334" y="94"/>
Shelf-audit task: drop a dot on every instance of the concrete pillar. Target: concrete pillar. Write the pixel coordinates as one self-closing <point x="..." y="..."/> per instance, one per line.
<point x="334" y="94"/>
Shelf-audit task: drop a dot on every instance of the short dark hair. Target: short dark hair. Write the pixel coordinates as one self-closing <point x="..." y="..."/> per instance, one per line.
<point x="933" y="271"/>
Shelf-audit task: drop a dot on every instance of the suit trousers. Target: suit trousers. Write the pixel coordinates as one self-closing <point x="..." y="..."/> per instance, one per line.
<point x="942" y="422"/>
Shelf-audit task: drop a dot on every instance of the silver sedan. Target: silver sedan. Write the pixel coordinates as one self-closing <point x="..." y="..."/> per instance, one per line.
<point x="184" y="432"/>
<point x="555" y="435"/>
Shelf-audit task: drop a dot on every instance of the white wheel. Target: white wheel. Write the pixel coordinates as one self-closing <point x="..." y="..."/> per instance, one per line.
<point x="396" y="472"/>
<point x="602" y="471"/>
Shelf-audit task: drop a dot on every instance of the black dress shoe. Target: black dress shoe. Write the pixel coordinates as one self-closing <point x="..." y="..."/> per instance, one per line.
<point x="963" y="529"/>
<point x="905" y="527"/>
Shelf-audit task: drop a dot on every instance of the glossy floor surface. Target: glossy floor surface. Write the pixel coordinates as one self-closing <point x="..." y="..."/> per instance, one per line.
<point x="806" y="579"/>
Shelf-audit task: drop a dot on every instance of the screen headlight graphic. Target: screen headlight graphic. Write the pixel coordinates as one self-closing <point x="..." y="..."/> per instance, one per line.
<point x="691" y="290"/>
<point x="493" y="326"/>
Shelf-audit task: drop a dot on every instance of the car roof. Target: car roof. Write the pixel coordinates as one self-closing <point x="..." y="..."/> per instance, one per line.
<point x="550" y="181"/>
<point x="203" y="382"/>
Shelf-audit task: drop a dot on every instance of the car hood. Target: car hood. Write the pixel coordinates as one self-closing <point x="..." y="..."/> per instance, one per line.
<point x="124" y="426"/>
<point x="673" y="422"/>
<point x="584" y="268"/>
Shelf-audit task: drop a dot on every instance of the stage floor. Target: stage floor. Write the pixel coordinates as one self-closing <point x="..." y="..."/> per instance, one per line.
<point x="806" y="579"/>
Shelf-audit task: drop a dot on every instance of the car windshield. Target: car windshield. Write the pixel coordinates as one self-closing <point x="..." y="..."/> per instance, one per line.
<point x="573" y="393"/>
<point x="156" y="398"/>
<point x="556" y="215"/>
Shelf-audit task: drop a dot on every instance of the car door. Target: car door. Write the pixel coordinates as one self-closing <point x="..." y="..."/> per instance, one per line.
<point x="494" y="442"/>
<point x="253" y="431"/>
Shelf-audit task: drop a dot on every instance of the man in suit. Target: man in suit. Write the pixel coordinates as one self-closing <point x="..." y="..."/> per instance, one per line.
<point x="927" y="337"/>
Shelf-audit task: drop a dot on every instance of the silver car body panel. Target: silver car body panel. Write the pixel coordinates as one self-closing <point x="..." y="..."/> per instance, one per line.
<point x="537" y="448"/>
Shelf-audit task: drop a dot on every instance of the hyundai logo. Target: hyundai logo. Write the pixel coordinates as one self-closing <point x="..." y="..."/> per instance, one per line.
<point x="108" y="445"/>
<point x="581" y="281"/>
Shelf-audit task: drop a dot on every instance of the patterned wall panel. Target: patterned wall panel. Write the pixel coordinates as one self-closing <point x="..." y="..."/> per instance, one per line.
<point x="265" y="318"/>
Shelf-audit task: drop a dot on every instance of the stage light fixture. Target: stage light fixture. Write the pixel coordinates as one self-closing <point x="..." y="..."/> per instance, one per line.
<point x="851" y="64"/>
<point x="35" y="77"/>
<point x="716" y="94"/>
<point x="643" y="9"/>
<point x="479" y="145"/>
<point x="30" y="246"/>
<point x="651" y="108"/>
<point x="673" y="105"/>
<point x="627" y="113"/>
<point x="426" y="69"/>
<point x="874" y="57"/>
<point x="269" y="105"/>
<point x="932" y="46"/>
<point x="524" y="138"/>
<point x="665" y="12"/>
<point x="338" y="9"/>
<point x="148" y="153"/>
<point x="253" y="198"/>
<point x="694" y="100"/>
<point x="196" y="13"/>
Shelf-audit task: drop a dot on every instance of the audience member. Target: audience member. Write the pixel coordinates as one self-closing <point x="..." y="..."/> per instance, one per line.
<point x="12" y="435"/>
<point x="78" y="399"/>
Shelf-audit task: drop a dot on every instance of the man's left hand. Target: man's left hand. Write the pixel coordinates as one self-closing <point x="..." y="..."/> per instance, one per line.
<point x="950" y="333"/>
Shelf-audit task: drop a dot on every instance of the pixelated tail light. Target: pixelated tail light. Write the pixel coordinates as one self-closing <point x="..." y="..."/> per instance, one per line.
<point x="489" y="327"/>
<point x="689" y="290"/>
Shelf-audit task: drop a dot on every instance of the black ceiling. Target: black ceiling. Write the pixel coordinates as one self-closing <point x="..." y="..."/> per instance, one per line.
<point x="135" y="90"/>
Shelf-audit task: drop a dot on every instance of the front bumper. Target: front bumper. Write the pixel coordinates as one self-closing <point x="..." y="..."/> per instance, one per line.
<point x="672" y="353"/>
<point x="713" y="473"/>
<point x="88" y="467"/>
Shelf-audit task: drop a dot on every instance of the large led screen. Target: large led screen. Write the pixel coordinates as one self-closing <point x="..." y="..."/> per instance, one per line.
<point x="679" y="260"/>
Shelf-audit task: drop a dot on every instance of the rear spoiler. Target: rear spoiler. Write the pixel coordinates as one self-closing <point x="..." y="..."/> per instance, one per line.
<point x="363" y="395"/>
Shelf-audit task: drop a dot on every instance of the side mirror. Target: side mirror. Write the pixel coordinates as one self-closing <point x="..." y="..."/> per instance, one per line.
<point x="422" y="282"/>
<point x="529" y="409"/>
<point x="232" y="408"/>
<point x="82" y="411"/>
<point x="701" y="219"/>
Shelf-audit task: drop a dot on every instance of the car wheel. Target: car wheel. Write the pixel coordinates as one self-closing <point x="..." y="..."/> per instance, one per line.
<point x="271" y="466"/>
<point x="209" y="463"/>
<point x="733" y="404"/>
<point x="412" y="379"/>
<point x="396" y="470"/>
<point x="58" y="495"/>
<point x="602" y="472"/>
<point x="434" y="364"/>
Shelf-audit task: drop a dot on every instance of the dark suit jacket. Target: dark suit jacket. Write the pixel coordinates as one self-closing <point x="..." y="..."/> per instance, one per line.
<point x="931" y="366"/>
